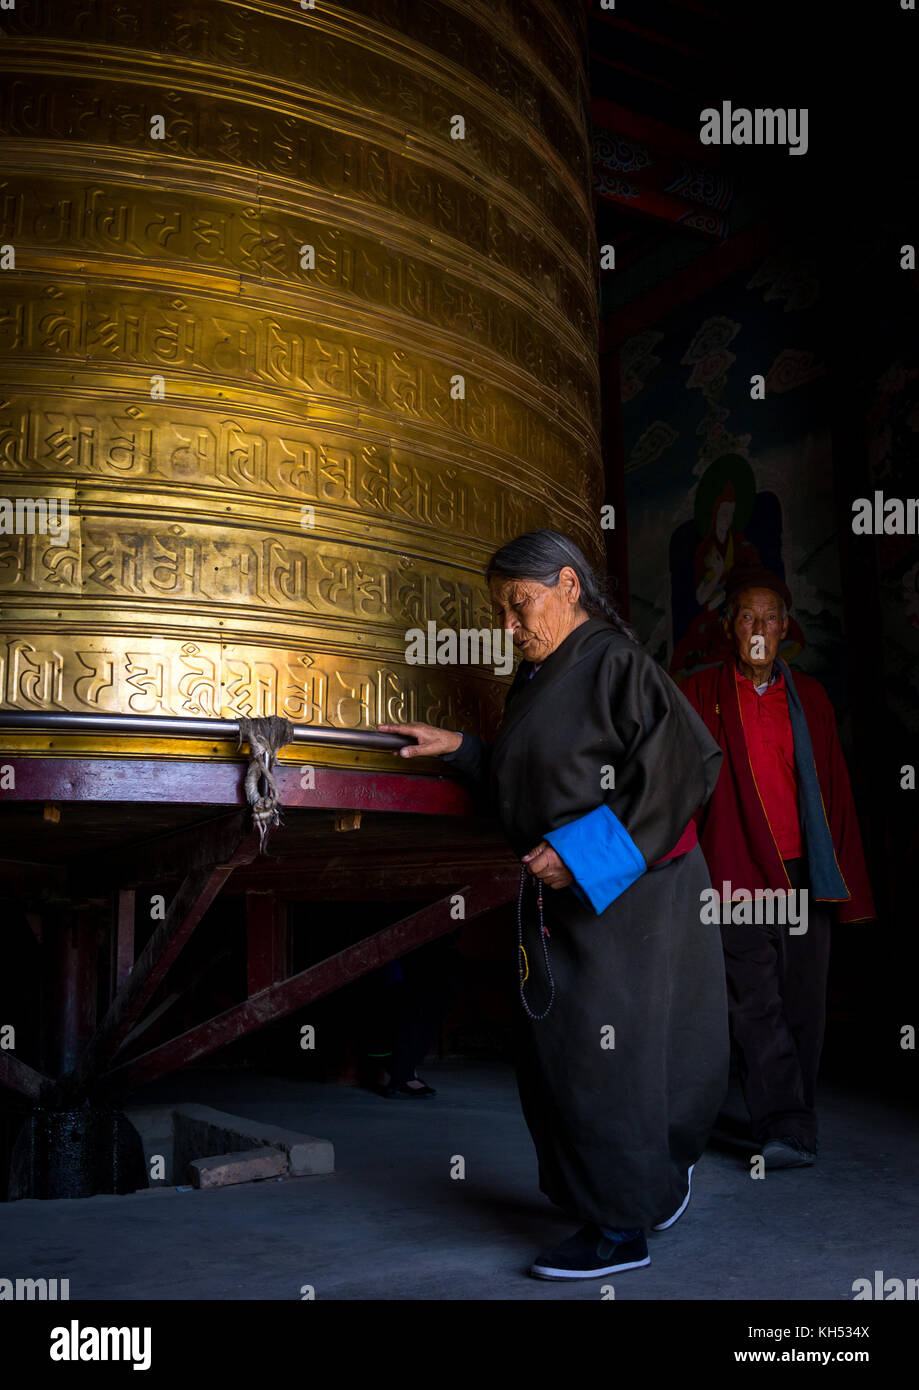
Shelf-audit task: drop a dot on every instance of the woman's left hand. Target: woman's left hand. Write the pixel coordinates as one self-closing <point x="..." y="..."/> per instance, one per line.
<point x="544" y="863"/>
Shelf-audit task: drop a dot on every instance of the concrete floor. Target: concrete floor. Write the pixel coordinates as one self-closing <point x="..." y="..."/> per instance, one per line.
<point x="391" y="1224"/>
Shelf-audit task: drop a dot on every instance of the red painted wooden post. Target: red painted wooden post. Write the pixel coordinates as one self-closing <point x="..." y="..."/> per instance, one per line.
<point x="124" y="938"/>
<point x="70" y="948"/>
<point x="266" y="941"/>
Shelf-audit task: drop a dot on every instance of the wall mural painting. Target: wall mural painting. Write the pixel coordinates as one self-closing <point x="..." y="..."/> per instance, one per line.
<point x="734" y="526"/>
<point x="716" y="477"/>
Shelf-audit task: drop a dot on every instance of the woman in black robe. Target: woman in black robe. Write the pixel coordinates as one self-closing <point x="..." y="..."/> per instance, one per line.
<point x="596" y="772"/>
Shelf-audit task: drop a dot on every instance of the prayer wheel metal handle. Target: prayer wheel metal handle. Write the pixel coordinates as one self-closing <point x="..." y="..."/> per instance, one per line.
<point x="164" y="726"/>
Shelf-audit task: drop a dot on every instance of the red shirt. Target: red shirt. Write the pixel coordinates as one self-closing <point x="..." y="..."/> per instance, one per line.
<point x="771" y="748"/>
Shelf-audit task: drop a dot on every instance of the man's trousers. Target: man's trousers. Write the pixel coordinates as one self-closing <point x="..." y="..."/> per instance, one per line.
<point x="777" y="1002"/>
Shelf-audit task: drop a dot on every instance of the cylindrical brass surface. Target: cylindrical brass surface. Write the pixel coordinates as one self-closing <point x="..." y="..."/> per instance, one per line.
<point x="300" y="322"/>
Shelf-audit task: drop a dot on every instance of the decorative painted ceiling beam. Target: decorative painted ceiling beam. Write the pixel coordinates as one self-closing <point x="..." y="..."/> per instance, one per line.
<point x="661" y="183"/>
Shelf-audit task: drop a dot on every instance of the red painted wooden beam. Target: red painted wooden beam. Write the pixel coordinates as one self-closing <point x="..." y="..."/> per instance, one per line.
<point x="284" y="998"/>
<point x="190" y="783"/>
<point x="697" y="8"/>
<point x="627" y="68"/>
<point x="673" y="212"/>
<point x="16" y="1076"/>
<point x="640" y="32"/>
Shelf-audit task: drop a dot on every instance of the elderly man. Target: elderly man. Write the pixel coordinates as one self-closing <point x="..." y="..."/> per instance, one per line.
<point x="782" y="818"/>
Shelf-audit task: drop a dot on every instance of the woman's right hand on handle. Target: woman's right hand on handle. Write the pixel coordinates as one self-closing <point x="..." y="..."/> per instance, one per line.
<point x="431" y="743"/>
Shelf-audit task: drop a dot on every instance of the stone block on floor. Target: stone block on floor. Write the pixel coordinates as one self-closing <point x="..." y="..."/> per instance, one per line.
<point x="200" y="1129"/>
<point x="223" y="1170"/>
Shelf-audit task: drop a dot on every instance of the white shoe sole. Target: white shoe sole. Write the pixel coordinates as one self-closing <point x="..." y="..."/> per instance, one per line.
<point x="665" y="1225"/>
<point x="547" y="1272"/>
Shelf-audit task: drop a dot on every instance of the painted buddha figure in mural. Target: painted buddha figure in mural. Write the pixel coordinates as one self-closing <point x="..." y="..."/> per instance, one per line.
<point x="721" y="549"/>
<point x="726" y="501"/>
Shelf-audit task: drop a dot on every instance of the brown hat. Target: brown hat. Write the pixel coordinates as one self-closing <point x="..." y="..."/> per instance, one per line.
<point x="756" y="577"/>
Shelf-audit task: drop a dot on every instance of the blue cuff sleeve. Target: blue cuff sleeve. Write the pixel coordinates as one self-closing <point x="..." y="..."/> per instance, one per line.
<point x="601" y="855"/>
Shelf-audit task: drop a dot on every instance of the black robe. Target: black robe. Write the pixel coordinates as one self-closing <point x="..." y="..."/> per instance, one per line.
<point x="615" y="1127"/>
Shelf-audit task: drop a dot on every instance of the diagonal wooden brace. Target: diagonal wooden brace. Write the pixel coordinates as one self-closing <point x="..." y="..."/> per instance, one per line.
<point x="16" y="1076"/>
<point x="483" y="894"/>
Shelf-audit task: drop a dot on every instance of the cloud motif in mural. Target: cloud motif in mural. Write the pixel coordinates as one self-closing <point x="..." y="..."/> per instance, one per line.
<point x="713" y="422"/>
<point x="792" y="368"/>
<point x="651" y="444"/>
<point x="793" y="283"/>
<point x="722" y="442"/>
<point x="638" y="362"/>
<point x="616" y="152"/>
<point x="712" y="336"/>
<point x="710" y="375"/>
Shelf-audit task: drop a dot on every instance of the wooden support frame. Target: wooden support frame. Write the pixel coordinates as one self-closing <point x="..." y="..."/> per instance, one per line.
<point x="228" y="845"/>
<point x="276" y="1001"/>
<point x="168" y="856"/>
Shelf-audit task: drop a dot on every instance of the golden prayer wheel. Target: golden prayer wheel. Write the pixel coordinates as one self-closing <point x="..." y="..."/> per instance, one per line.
<point x="300" y="323"/>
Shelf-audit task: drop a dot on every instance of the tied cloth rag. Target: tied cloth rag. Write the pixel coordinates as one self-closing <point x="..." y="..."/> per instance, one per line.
<point x="265" y="737"/>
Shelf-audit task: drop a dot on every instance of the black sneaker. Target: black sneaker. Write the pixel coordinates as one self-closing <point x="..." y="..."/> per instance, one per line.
<point x="787" y="1153"/>
<point x="589" y="1253"/>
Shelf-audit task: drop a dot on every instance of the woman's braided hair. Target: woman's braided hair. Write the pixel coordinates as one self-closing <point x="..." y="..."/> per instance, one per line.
<point x="541" y="556"/>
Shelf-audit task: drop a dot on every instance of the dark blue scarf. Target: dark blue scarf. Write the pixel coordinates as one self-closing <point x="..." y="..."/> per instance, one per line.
<point x="825" y="879"/>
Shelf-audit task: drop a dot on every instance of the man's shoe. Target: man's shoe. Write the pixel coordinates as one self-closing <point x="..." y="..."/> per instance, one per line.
<point x="589" y="1254"/>
<point x="664" y="1225"/>
<point x="423" y="1090"/>
<point x="787" y="1153"/>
